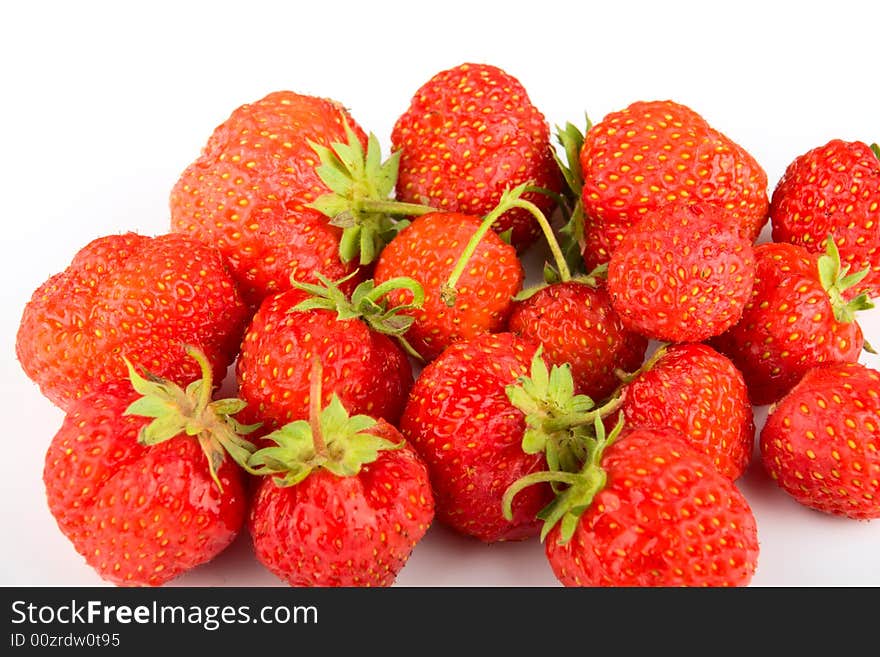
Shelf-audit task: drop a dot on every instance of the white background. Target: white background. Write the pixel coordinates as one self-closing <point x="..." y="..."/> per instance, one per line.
<point x="104" y="104"/>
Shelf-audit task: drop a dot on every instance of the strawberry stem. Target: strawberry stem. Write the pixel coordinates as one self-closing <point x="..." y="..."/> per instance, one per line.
<point x="315" y="405"/>
<point x="448" y="292"/>
<point x="552" y="242"/>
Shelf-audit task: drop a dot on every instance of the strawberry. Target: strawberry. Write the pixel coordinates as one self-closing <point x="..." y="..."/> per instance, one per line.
<point x="469" y="275"/>
<point x="483" y="414"/>
<point x="573" y="321"/>
<point x="834" y="190"/>
<point x="259" y="193"/>
<point x="132" y="295"/>
<point x="576" y="324"/>
<point x="656" y="152"/>
<point x="469" y="133"/>
<point x="820" y="442"/>
<point x="699" y="392"/>
<point x="796" y="319"/>
<point x="362" y="364"/>
<point x="647" y="509"/>
<point x="346" y="502"/>
<point x="145" y="501"/>
<point x="681" y="274"/>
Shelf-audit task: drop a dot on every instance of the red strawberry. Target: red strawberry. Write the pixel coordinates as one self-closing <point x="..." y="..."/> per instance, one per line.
<point x="652" y="153"/>
<point x="251" y="191"/>
<point x="681" y="274"/>
<point x="484" y="414"/>
<point x="470" y="133"/>
<point x="834" y="190"/>
<point x="574" y="322"/>
<point x="796" y="319"/>
<point x="367" y="369"/>
<point x="146" y="501"/>
<point x="349" y="501"/>
<point x="469" y="275"/>
<point x="649" y="510"/>
<point x="132" y="295"/>
<point x="821" y="442"/>
<point x="693" y="388"/>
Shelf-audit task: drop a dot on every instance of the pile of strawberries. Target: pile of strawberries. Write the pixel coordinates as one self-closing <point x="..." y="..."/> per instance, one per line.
<point x="392" y="371"/>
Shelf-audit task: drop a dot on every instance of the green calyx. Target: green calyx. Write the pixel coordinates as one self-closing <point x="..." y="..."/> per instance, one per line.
<point x="575" y="490"/>
<point x="876" y="149"/>
<point x="358" y="202"/>
<point x="572" y="233"/>
<point x="191" y="412"/>
<point x="835" y="278"/>
<point x="568" y="429"/>
<point x="368" y="303"/>
<point x="331" y="439"/>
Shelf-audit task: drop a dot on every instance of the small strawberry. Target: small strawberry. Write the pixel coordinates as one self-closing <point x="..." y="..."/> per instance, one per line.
<point x="469" y="275"/>
<point x="129" y="295"/>
<point x="693" y="388"/>
<point x="469" y="133"/>
<point x="796" y="319"/>
<point x="142" y="501"/>
<point x="681" y="274"/>
<point x="646" y="509"/>
<point x="834" y="190"/>
<point x="484" y="414"/>
<point x="351" y="338"/>
<point x="347" y="501"/>
<point x="820" y="442"/>
<point x="653" y="153"/>
<point x="573" y="320"/>
<point x="285" y="190"/>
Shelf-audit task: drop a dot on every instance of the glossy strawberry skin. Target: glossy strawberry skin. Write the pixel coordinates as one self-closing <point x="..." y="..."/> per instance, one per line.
<point x="144" y="298"/>
<point x="699" y="392"/>
<point x="369" y="371"/>
<point x="820" y="442"/>
<point x="788" y="326"/>
<point x="681" y="274"/>
<point x="656" y="152"/>
<point x="576" y="324"/>
<point x="468" y="433"/>
<point x="249" y="190"/>
<point x="666" y="517"/>
<point x="427" y="250"/>
<point x="345" y="531"/>
<point x="140" y="516"/>
<point x="469" y="133"/>
<point x="833" y="190"/>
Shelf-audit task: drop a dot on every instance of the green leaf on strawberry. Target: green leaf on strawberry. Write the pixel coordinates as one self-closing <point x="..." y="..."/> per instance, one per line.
<point x="331" y="439"/>
<point x="835" y="278"/>
<point x="360" y="184"/>
<point x="193" y="412"/>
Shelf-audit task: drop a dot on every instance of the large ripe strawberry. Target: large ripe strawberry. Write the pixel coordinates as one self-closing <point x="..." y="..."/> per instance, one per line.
<point x="796" y="319"/>
<point x="343" y="502"/>
<point x="648" y="510"/>
<point x="484" y="414"/>
<point x="821" y="442"/>
<point x="251" y="193"/>
<point x="833" y="190"/>
<point x="469" y="133"/>
<point x="652" y="153"/>
<point x="144" y="501"/>
<point x="129" y="295"/>
<point x="362" y="363"/>
<point x="469" y="275"/>
<point x="693" y="388"/>
<point x="681" y="274"/>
